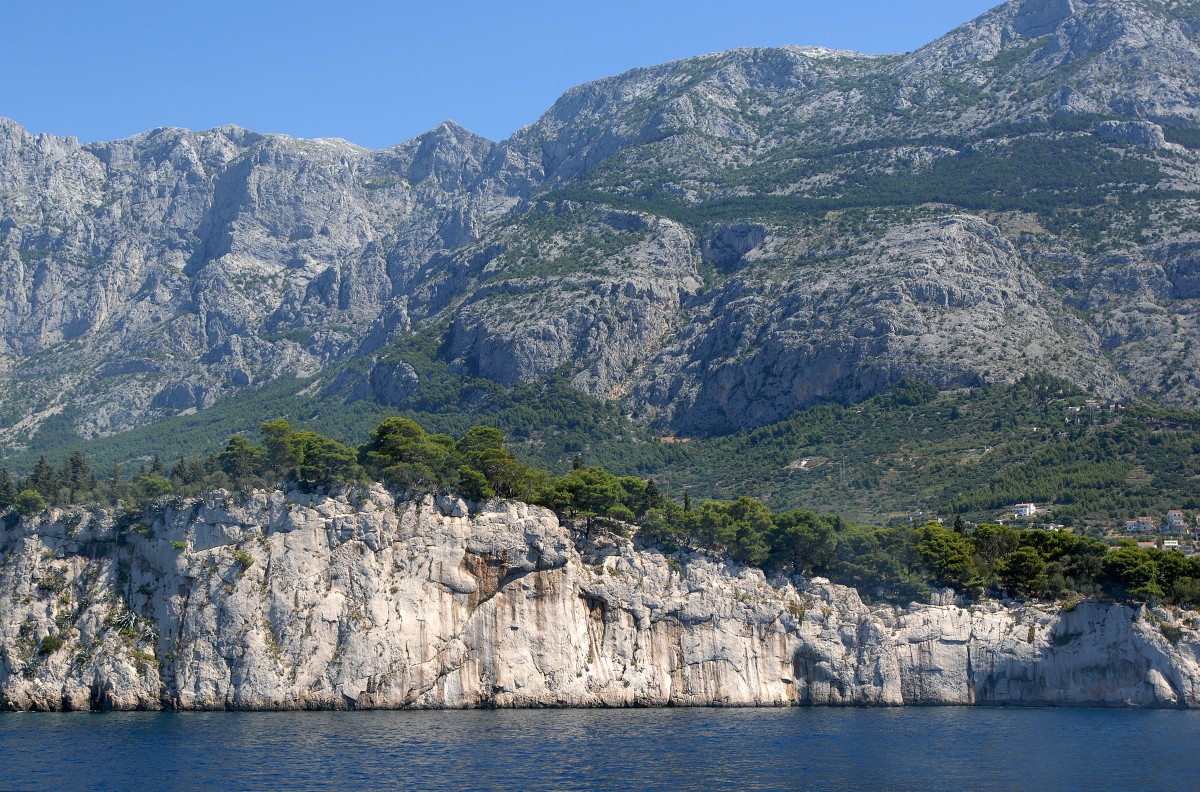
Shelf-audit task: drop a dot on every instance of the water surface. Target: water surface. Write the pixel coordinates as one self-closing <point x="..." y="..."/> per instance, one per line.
<point x="951" y="748"/>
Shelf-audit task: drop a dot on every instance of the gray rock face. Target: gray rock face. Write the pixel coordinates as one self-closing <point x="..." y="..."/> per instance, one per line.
<point x="387" y="383"/>
<point x="185" y="265"/>
<point x="283" y="601"/>
<point x="1142" y="133"/>
<point x="619" y="299"/>
<point x="950" y="301"/>
<point x="159" y="274"/>
<point x="725" y="246"/>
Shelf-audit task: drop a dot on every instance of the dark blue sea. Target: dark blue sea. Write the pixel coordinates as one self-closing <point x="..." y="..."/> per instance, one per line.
<point x="665" y="749"/>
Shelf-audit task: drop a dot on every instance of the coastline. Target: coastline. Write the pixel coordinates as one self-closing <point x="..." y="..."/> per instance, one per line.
<point x="281" y="601"/>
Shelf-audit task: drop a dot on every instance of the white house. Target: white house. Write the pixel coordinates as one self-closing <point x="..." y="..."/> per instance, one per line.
<point x="1140" y="525"/>
<point x="1024" y="510"/>
<point x="1175" y="521"/>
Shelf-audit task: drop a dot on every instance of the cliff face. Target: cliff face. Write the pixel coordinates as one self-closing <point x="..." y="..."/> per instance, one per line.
<point x="156" y="274"/>
<point x="751" y="232"/>
<point x="284" y="601"/>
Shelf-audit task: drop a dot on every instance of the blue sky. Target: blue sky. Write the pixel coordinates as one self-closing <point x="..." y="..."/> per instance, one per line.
<point x="377" y="73"/>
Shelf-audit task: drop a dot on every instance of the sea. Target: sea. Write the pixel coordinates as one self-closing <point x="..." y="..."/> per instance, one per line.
<point x="918" y="748"/>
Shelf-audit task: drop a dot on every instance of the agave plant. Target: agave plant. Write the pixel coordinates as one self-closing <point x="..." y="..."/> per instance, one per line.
<point x="125" y="620"/>
<point x="81" y="657"/>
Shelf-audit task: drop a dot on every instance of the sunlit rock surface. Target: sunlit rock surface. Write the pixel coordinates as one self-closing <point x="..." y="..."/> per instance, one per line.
<point x="279" y="600"/>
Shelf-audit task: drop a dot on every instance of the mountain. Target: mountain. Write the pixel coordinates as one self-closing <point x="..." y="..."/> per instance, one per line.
<point x="706" y="245"/>
<point x="160" y="273"/>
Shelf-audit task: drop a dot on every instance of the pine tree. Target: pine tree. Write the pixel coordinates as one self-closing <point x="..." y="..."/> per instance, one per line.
<point x="241" y="460"/>
<point x="115" y="483"/>
<point x="76" y="473"/>
<point x="653" y="495"/>
<point x="8" y="490"/>
<point x="44" y="479"/>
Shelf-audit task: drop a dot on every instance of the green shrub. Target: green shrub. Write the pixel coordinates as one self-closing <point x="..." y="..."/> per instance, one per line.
<point x="1171" y="633"/>
<point x="29" y="502"/>
<point x="1064" y="638"/>
<point x="144" y="660"/>
<point x="50" y="644"/>
<point x="54" y="582"/>
<point x="179" y="545"/>
<point x="243" y="559"/>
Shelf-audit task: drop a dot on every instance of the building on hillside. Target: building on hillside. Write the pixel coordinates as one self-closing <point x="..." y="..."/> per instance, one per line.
<point x="1147" y="545"/>
<point x="1024" y="510"/>
<point x="1140" y="525"/>
<point x="1175" y="521"/>
<point x="1170" y="544"/>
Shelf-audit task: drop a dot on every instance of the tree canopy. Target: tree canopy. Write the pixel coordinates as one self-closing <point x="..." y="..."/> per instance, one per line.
<point x="897" y="563"/>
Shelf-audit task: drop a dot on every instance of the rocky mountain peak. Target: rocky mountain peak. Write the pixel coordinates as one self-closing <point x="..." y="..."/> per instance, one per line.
<point x="748" y="232"/>
<point x="1056" y="32"/>
<point x="11" y="129"/>
<point x="1034" y="18"/>
<point x="451" y="129"/>
<point x="824" y="53"/>
<point x="450" y="154"/>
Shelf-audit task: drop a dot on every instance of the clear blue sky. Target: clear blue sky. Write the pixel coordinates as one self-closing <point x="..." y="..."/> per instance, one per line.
<point x="377" y="73"/>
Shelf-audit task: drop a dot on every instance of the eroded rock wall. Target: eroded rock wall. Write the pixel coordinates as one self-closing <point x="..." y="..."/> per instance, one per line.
<point x="285" y="600"/>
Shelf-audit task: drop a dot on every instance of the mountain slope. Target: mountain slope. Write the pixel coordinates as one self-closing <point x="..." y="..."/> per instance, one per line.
<point x="254" y="256"/>
<point x="711" y="243"/>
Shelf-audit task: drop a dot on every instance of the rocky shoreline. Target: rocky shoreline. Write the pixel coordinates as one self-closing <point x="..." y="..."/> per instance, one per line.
<point x="285" y="600"/>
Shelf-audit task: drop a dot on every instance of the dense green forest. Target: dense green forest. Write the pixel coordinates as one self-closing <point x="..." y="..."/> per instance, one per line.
<point x="912" y="450"/>
<point x="973" y="452"/>
<point x="897" y="563"/>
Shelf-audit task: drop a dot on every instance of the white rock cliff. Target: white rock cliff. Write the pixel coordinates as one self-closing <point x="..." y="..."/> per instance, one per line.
<point x="278" y="600"/>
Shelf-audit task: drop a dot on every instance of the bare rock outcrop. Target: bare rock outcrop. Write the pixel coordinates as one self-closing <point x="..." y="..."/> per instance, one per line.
<point x="949" y="301"/>
<point x="278" y="600"/>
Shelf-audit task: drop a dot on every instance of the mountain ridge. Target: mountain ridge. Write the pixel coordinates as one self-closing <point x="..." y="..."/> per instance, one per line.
<point x="712" y="242"/>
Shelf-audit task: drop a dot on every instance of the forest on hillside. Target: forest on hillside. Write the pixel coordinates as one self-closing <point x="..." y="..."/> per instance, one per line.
<point x="913" y="449"/>
<point x="893" y="563"/>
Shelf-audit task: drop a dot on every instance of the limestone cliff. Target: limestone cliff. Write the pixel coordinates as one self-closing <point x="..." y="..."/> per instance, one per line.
<point x="280" y="600"/>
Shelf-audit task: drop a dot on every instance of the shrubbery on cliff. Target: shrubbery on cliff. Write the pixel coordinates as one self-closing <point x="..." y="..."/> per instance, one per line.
<point x="897" y="563"/>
